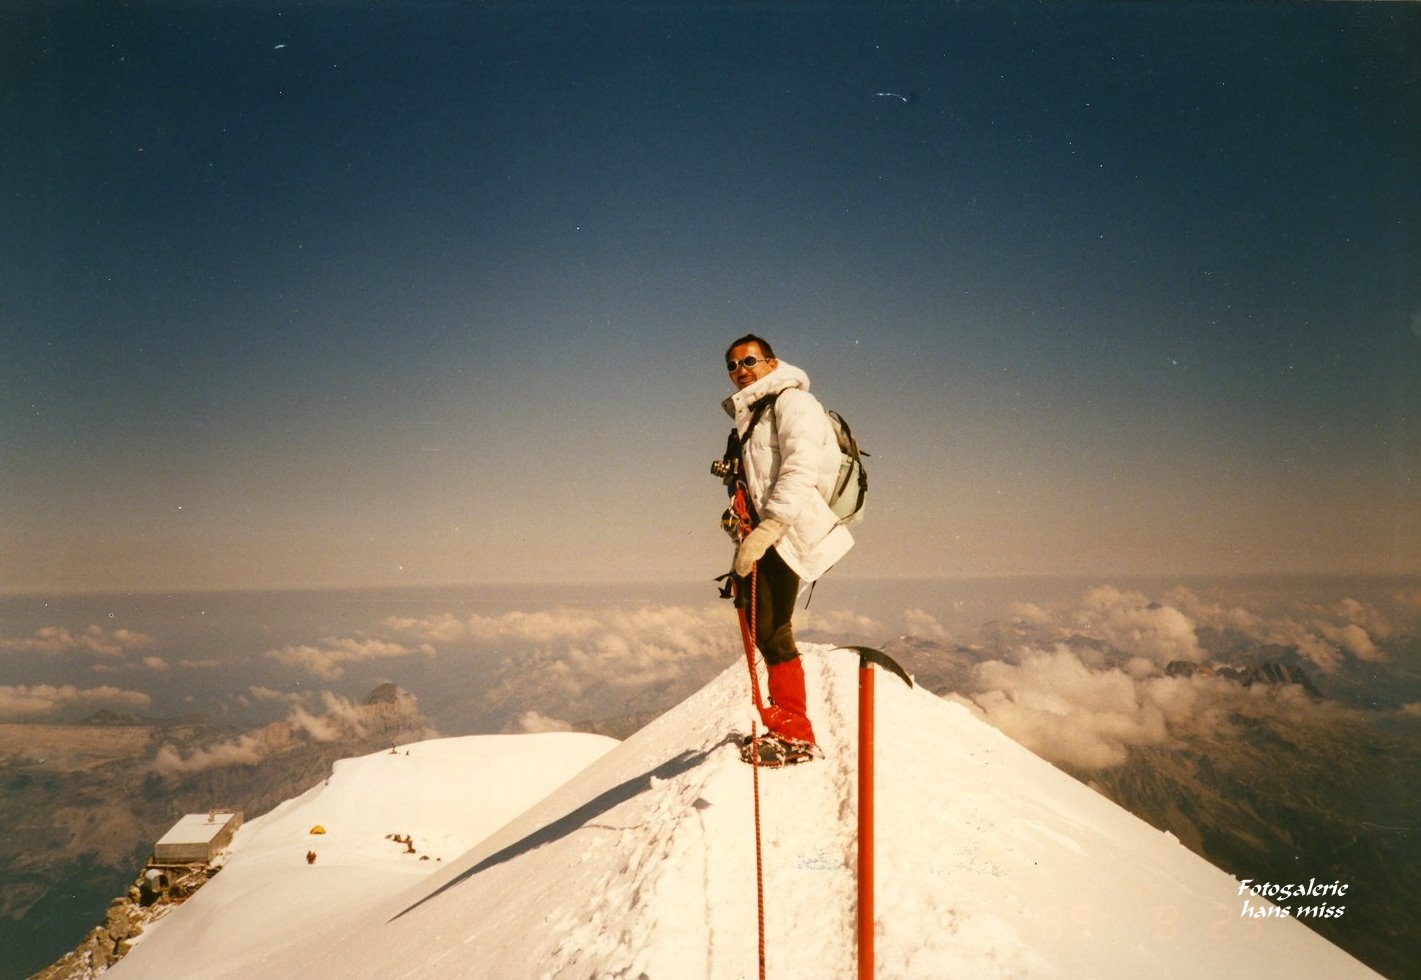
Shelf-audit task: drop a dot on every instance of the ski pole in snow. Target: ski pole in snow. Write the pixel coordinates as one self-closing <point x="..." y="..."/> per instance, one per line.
<point x="868" y="656"/>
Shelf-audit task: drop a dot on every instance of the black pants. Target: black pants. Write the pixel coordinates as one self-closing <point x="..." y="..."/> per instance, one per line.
<point x="776" y="588"/>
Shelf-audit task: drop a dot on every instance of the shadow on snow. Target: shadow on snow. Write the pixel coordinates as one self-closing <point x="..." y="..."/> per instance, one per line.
<point x="575" y="820"/>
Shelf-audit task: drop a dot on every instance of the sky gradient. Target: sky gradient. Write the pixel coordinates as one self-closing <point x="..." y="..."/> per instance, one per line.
<point x="378" y="294"/>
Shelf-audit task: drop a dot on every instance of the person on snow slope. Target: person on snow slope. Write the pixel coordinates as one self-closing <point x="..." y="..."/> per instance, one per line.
<point x="788" y="466"/>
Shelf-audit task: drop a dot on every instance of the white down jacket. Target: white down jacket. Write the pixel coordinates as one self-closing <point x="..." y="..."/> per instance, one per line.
<point x="791" y="463"/>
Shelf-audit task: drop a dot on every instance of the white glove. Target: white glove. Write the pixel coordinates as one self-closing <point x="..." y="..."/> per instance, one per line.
<point x="756" y="543"/>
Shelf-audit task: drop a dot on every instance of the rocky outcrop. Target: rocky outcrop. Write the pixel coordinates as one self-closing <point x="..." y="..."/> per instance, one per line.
<point x="1271" y="673"/>
<point x="386" y="693"/>
<point x="390" y="712"/>
<point x="151" y="896"/>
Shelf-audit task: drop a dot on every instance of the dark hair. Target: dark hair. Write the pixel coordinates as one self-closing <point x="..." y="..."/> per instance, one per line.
<point x="750" y="338"/>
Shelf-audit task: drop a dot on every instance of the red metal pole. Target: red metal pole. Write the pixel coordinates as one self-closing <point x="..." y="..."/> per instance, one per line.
<point x="865" y="923"/>
<point x="867" y="657"/>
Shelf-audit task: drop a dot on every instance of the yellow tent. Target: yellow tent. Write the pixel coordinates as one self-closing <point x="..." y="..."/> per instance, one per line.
<point x="318" y="829"/>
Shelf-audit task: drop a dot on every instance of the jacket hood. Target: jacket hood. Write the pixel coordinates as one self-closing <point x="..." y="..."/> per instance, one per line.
<point x="782" y="378"/>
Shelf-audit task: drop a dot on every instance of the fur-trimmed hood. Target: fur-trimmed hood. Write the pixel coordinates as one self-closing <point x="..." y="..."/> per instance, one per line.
<point x="739" y="404"/>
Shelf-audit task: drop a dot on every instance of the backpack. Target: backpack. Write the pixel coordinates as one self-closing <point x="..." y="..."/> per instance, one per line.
<point x="850" y="490"/>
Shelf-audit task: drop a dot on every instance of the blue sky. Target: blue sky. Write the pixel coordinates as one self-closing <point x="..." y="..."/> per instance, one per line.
<point x="377" y="294"/>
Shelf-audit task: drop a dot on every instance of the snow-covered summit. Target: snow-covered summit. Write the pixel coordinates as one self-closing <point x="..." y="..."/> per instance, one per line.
<point x="991" y="863"/>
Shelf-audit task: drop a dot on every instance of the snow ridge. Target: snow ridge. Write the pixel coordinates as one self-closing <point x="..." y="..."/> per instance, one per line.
<point x="991" y="863"/>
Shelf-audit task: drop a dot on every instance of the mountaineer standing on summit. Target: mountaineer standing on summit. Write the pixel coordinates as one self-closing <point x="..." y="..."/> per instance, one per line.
<point x="785" y="454"/>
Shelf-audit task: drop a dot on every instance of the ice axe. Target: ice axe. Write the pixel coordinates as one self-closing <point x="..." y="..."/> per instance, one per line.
<point x="868" y="656"/>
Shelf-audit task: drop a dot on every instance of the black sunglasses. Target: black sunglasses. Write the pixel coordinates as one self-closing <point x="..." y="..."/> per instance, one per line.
<point x="750" y="361"/>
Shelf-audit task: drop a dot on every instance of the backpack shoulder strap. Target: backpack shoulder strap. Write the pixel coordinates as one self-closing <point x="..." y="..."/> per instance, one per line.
<point x="759" y="410"/>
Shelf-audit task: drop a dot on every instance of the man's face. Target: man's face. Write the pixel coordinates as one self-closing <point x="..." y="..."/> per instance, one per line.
<point x="748" y="374"/>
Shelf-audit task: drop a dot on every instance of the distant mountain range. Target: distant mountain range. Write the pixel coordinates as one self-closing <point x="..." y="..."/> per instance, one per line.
<point x="1269" y="673"/>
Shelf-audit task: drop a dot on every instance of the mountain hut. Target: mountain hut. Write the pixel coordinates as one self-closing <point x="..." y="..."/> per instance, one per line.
<point x="197" y="838"/>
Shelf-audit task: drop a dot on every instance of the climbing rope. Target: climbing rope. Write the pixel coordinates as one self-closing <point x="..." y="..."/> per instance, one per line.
<point x="747" y="620"/>
<point x="747" y="634"/>
<point x="759" y="866"/>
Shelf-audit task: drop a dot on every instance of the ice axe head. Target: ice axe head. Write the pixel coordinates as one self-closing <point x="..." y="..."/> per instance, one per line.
<point x="869" y="655"/>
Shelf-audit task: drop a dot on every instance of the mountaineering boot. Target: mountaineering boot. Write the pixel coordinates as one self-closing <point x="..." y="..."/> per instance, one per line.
<point x="786" y="715"/>
<point x="770" y="751"/>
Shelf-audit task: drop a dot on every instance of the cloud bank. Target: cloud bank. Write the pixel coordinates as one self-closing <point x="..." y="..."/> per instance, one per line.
<point x="624" y="647"/>
<point x="328" y="658"/>
<point x="341" y="720"/>
<point x="1082" y="682"/>
<point x="533" y="722"/>
<point x="57" y="640"/>
<point x="44" y="701"/>
<point x="581" y="662"/>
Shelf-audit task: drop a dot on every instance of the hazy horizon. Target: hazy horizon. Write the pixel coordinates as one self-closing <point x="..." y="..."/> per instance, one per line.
<point x="254" y="656"/>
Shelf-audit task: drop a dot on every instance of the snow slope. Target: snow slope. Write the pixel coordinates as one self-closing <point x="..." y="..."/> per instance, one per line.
<point x="445" y="795"/>
<point x="991" y="863"/>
